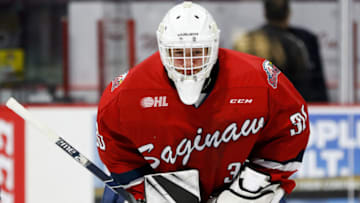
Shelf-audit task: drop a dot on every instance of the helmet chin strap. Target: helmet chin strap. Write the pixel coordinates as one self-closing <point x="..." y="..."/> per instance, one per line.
<point x="189" y="90"/>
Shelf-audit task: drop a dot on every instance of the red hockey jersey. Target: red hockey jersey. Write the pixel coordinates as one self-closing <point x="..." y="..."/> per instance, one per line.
<point x="252" y="113"/>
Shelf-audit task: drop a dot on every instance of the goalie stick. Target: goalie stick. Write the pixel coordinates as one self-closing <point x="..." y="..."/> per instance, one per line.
<point x="27" y="116"/>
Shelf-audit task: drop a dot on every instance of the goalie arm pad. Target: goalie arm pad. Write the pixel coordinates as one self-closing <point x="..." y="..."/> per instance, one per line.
<point x="251" y="186"/>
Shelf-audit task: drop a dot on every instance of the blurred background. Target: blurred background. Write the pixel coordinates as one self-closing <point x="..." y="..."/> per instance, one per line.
<point x="57" y="56"/>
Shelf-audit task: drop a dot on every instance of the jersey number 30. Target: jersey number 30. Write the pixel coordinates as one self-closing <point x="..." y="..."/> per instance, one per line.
<point x="234" y="169"/>
<point x="99" y="139"/>
<point x="299" y="121"/>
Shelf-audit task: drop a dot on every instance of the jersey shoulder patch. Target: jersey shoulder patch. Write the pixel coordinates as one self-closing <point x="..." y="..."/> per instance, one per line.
<point x="272" y="73"/>
<point x="117" y="81"/>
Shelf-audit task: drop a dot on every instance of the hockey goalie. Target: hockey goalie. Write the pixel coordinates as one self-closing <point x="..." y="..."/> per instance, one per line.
<point x="199" y="123"/>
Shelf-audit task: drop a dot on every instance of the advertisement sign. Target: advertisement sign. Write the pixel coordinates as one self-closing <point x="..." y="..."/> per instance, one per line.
<point x="334" y="143"/>
<point x="11" y="64"/>
<point x="12" y="180"/>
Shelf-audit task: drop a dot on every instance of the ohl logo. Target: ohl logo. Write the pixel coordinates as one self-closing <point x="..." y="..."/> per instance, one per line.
<point x="148" y="102"/>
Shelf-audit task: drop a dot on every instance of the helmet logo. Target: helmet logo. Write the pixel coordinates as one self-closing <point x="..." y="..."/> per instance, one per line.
<point x="191" y="34"/>
<point x="184" y="34"/>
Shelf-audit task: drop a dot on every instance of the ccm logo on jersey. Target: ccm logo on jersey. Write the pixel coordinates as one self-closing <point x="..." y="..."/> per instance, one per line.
<point x="241" y="101"/>
<point x="148" y="102"/>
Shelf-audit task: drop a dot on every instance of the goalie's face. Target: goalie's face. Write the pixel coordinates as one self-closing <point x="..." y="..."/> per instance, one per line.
<point x="188" y="61"/>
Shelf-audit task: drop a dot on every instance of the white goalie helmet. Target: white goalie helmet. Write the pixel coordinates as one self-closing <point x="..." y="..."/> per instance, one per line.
<point x="188" y="40"/>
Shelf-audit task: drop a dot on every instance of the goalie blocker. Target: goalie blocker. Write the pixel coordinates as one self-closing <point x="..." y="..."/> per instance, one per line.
<point x="250" y="186"/>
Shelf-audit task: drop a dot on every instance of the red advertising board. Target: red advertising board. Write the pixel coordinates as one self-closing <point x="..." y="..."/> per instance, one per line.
<point x="12" y="161"/>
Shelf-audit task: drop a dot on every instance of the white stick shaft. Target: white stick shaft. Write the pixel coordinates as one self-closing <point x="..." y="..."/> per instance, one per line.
<point x="25" y="114"/>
